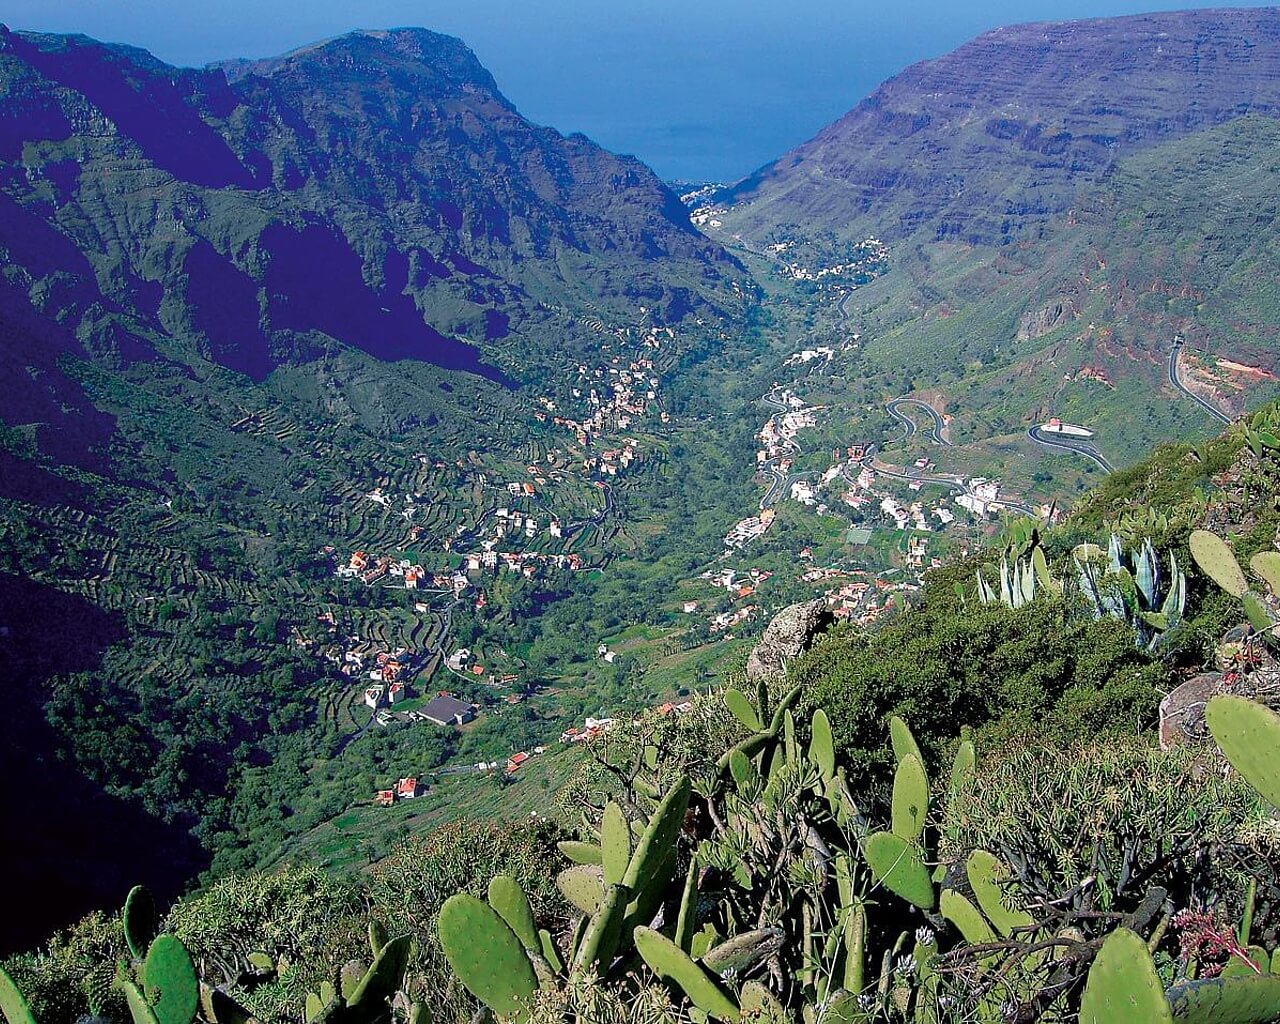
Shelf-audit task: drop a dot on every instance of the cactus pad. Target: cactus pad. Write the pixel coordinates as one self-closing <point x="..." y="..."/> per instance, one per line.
<point x="669" y="961"/>
<point x="1248" y="999"/>
<point x="385" y="975"/>
<point x="1216" y="561"/>
<point x="169" y="981"/>
<point x="963" y="769"/>
<point x="581" y="853"/>
<point x="759" y="1005"/>
<point x="822" y="747"/>
<point x="1123" y="984"/>
<point x="1256" y="612"/>
<point x="13" y="1003"/>
<point x="910" y="798"/>
<point x="583" y="886"/>
<point x="985" y="874"/>
<point x="737" y="955"/>
<point x="485" y="955"/>
<point x="139" y="1009"/>
<point x="736" y="701"/>
<point x="615" y="842"/>
<point x="512" y="905"/>
<point x="1267" y="565"/>
<point x="139" y="920"/>
<point x="1249" y="735"/>
<point x="966" y="917"/>
<point x="651" y="855"/>
<point x="896" y="865"/>
<point x="903" y="742"/>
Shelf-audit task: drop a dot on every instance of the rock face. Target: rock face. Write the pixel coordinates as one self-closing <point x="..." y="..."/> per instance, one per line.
<point x="788" y="636"/>
<point x="1182" y="712"/>
<point x="991" y="140"/>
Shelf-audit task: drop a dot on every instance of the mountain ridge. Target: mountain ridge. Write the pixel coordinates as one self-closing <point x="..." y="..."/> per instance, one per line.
<point x="970" y="146"/>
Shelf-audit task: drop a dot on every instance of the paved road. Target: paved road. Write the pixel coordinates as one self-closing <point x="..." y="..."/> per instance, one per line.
<point x="907" y="424"/>
<point x="1175" y="379"/>
<point x="1076" y="446"/>
<point x="934" y="433"/>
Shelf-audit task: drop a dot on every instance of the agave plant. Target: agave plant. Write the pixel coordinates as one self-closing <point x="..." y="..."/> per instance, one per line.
<point x="1132" y="589"/>
<point x="1020" y="582"/>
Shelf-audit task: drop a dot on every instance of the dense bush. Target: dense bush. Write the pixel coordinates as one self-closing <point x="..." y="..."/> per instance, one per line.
<point x="1041" y="670"/>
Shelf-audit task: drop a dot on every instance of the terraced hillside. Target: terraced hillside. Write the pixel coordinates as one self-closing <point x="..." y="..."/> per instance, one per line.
<point x="260" y="324"/>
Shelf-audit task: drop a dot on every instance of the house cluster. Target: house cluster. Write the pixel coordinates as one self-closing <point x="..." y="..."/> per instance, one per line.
<point x="730" y="580"/>
<point x="911" y="517"/>
<point x="527" y="563"/>
<point x="863" y="602"/>
<point x="870" y="256"/>
<point x="708" y="216"/>
<point x="982" y="497"/>
<point x="808" y="355"/>
<point x="747" y="530"/>
<point x="372" y="570"/>
<point x="404" y="789"/>
<point x="612" y="461"/>
<point x="614" y="398"/>
<point x="727" y="620"/>
<point x="779" y="432"/>
<point x="513" y="522"/>
<point x="591" y="728"/>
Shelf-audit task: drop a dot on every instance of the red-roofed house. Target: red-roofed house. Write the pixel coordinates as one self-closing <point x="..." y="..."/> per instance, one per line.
<point x="407" y="789"/>
<point x="515" y="761"/>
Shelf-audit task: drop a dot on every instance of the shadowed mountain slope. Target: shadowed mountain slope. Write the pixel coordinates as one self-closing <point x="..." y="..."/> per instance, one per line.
<point x="375" y="191"/>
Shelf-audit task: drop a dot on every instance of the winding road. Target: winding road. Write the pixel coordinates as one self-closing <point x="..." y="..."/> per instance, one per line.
<point x="1175" y="379"/>
<point x="1073" y="445"/>
<point x="934" y="433"/>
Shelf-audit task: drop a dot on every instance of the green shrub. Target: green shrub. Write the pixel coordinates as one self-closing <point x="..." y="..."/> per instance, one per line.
<point x="1038" y="671"/>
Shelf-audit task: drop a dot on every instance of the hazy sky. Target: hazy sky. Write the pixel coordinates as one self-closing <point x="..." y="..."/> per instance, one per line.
<point x="700" y="89"/>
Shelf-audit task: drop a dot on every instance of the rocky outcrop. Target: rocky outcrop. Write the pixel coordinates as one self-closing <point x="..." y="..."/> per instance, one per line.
<point x="1182" y="712"/>
<point x="791" y="633"/>
<point x="1039" y="322"/>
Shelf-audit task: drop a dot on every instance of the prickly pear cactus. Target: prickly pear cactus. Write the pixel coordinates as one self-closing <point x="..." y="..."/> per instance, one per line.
<point x="169" y="981"/>
<point x="895" y="863"/>
<point x="13" y="1003"/>
<point x="1123" y="984"/>
<point x="1249" y="735"/>
<point x="508" y="899"/>
<point x="486" y="956"/>
<point x="1246" y="999"/>
<point x="139" y="920"/>
<point x="1216" y="560"/>
<point x="669" y="961"/>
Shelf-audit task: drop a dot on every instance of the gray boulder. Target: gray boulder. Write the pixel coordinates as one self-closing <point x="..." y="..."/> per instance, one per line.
<point x="788" y="636"/>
